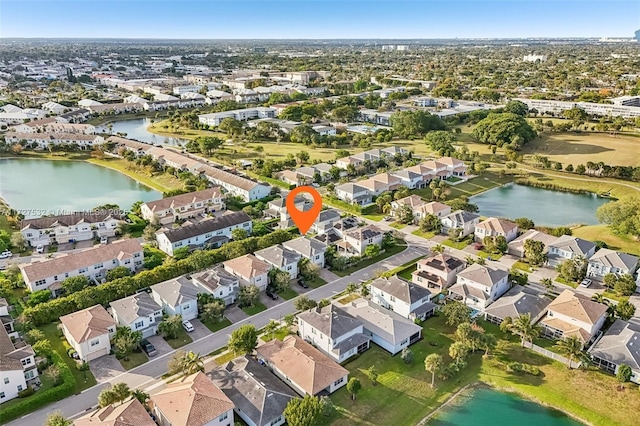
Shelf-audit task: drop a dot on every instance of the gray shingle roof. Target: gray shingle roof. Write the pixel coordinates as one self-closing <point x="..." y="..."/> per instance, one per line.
<point x="484" y="274"/>
<point x="573" y="245"/>
<point x="306" y="247"/>
<point x="620" y="344"/>
<point x="518" y="301"/>
<point x="69" y="219"/>
<point x="214" y="278"/>
<point x="133" y="307"/>
<point x="401" y="289"/>
<point x="615" y="259"/>
<point x="278" y="256"/>
<point x="330" y="320"/>
<point x="176" y="291"/>
<point x="206" y="226"/>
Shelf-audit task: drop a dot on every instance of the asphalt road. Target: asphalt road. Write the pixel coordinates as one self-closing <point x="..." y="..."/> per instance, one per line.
<point x="149" y="375"/>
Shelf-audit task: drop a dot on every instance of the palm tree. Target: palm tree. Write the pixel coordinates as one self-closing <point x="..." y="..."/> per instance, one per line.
<point x="571" y="347"/>
<point x="599" y="297"/>
<point x="141" y="396"/>
<point x="547" y="283"/>
<point x="525" y="328"/>
<point x="433" y="364"/>
<point x="120" y="391"/>
<point x="439" y="248"/>
<point x="192" y="363"/>
<point x="271" y="328"/>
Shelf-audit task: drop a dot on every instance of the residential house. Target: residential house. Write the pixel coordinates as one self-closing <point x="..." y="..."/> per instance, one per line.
<point x="192" y="401"/>
<point x="461" y="220"/>
<point x="437" y="272"/>
<point x="308" y="248"/>
<point x="250" y="270"/>
<point x="619" y="345"/>
<point x="439" y="170"/>
<point x="375" y="117"/>
<point x="45" y="140"/>
<point x="89" y="332"/>
<point x="387" y="329"/>
<point x="277" y="209"/>
<point x="220" y="283"/>
<point x="355" y="242"/>
<point x="480" y="285"/>
<point x="183" y="206"/>
<point x="74" y="227"/>
<point x="516" y="247"/>
<point x="409" y="179"/>
<point x="573" y="314"/>
<point x="325" y="221"/>
<point x="607" y="261"/>
<point x="211" y="232"/>
<point x="17" y="365"/>
<point x="236" y="185"/>
<point x="177" y="296"/>
<point x="119" y="144"/>
<point x="373" y="186"/>
<point x="457" y="167"/>
<point x="280" y="258"/>
<point x="413" y="201"/>
<point x="404" y="298"/>
<point x="260" y="398"/>
<point x="301" y="366"/>
<point x="568" y="247"/>
<point x="333" y="331"/>
<point x="138" y="312"/>
<point x="515" y="302"/>
<point x="214" y="119"/>
<point x="5" y="315"/>
<point x="343" y="163"/>
<point x="433" y="208"/>
<point x="93" y="263"/>
<point x="353" y="193"/>
<point x="494" y="227"/>
<point x="129" y="413"/>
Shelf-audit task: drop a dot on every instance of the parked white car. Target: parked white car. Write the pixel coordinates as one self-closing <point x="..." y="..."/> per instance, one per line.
<point x="585" y="283"/>
<point x="40" y="249"/>
<point x="6" y="254"/>
<point x="188" y="327"/>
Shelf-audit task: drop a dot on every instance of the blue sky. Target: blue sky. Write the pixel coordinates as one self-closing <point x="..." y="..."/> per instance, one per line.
<point x="248" y="19"/>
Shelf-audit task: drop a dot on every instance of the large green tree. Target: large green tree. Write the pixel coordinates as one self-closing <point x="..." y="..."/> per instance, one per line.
<point x="415" y="123"/>
<point x="303" y="412"/>
<point x="243" y="339"/>
<point x="441" y="142"/>
<point x="623" y="216"/>
<point x="504" y="129"/>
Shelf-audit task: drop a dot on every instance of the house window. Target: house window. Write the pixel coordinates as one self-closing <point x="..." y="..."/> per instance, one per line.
<point x="26" y="361"/>
<point x="82" y="270"/>
<point x="139" y="324"/>
<point x="337" y="382"/>
<point x="114" y="261"/>
<point x="19" y="388"/>
<point x="1" y="395"/>
<point x="186" y="307"/>
<point x="6" y="380"/>
<point x="128" y="261"/>
<point x="28" y="375"/>
<point x="40" y="282"/>
<point x="55" y="278"/>
<point x="223" y="417"/>
<point x="136" y="255"/>
<point x="97" y="266"/>
<point x="95" y="342"/>
<point x="393" y="299"/>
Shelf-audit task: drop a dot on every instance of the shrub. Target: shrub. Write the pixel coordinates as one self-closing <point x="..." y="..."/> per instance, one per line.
<point x="518" y="367"/>
<point x="26" y="392"/>
<point x="514" y="367"/>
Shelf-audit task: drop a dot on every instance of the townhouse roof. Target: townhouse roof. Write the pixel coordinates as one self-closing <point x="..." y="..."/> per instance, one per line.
<point x="494" y="224"/>
<point x="518" y="301"/>
<point x="350" y="188"/>
<point x="485" y="275"/>
<point x="214" y="278"/>
<point x="51" y="136"/>
<point x="290" y="175"/>
<point x="387" y="178"/>
<point x="278" y="256"/>
<point x="434" y="164"/>
<point x="133" y="307"/>
<point x="382" y="322"/>
<point x="620" y="344"/>
<point x="364" y="233"/>
<point x="226" y="220"/>
<point x="412" y="201"/>
<point x="129" y="143"/>
<point x="88" y="323"/>
<point x="229" y="178"/>
<point x="322" y="167"/>
<point x="69" y="219"/>
<point x="122" y="249"/>
<point x="130" y="413"/>
<point x="400" y="289"/>
<point x="10" y="357"/>
<point x="255" y="392"/>
<point x="615" y="259"/>
<point x="305" y="365"/>
<point x="406" y="174"/>
<point x="327" y="215"/>
<point x="307" y="247"/>
<point x="331" y="320"/>
<point x="575" y="245"/>
<point x="532" y="234"/>
<point x="40" y="122"/>
<point x="75" y="113"/>
<point x="451" y="162"/>
<point x="468" y="290"/>
<point x="247" y="266"/>
<point x="434" y="207"/>
<point x="192" y="401"/>
<point x="373" y="185"/>
<point x="575" y="305"/>
<point x="306" y="171"/>
<point x="184" y="199"/>
<point x="176" y="291"/>
<point x="462" y="216"/>
<point x="174" y="157"/>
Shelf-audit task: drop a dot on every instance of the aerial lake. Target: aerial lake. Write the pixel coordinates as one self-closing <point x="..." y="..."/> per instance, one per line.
<point x="543" y="206"/>
<point x="137" y="129"/>
<point x="488" y="407"/>
<point x="39" y="187"/>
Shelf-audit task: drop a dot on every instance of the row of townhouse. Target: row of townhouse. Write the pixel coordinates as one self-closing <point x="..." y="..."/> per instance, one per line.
<point x="45" y="140"/>
<point x="53" y="125"/>
<point x="80" y="226"/>
<point x="557" y="107"/>
<point x="184" y="206"/>
<point x="214" y="119"/>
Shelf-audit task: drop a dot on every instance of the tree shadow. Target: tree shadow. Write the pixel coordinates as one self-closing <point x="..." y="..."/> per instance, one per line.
<point x="566" y="147"/>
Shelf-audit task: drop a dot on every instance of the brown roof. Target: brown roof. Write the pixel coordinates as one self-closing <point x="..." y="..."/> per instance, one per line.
<point x="119" y="249"/>
<point x="88" y="323"/>
<point x="578" y="306"/>
<point x="184" y="199"/>
<point x="10" y="356"/>
<point x="497" y="225"/>
<point x="305" y="365"/>
<point x="247" y="266"/>
<point x="130" y="413"/>
<point x="434" y="207"/>
<point x="412" y="200"/>
<point x="192" y="401"/>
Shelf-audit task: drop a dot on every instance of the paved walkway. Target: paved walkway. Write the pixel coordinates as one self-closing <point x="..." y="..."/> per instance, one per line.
<point x="106" y="368"/>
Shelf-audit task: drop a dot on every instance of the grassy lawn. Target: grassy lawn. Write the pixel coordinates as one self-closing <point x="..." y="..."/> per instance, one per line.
<point x="603" y="233"/>
<point x="486" y="254"/>
<point x="349" y="298"/>
<point x="316" y="282"/>
<point x="484" y="182"/>
<point x="224" y="358"/>
<point x="457" y="244"/>
<point x="522" y="266"/>
<point x="375" y="217"/>
<point x="288" y="293"/>
<point x="615" y="296"/>
<point x="252" y="310"/>
<point x="406" y="272"/>
<point x="421" y="233"/>
<point x="565" y="282"/>
<point x="182" y="339"/>
<point x="84" y="379"/>
<point x="398" y="225"/>
<point x="160" y="182"/>
<point x="135" y="359"/>
<point x="217" y="326"/>
<point x="367" y="262"/>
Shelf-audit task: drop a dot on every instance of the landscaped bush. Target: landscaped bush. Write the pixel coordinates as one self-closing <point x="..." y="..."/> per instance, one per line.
<point x="519" y="368"/>
<point x="26" y="392"/>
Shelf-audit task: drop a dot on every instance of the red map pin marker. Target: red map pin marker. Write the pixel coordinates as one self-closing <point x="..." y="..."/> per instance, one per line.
<point x="304" y="220"/>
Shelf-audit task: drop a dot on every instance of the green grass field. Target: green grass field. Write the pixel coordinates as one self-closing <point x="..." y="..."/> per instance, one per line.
<point x="367" y="262"/>
<point x="135" y="359"/>
<point x="288" y="293"/>
<point x="603" y="233"/>
<point x="160" y="182"/>
<point x="182" y="339"/>
<point x="457" y="244"/>
<point x="217" y="326"/>
<point x="427" y="235"/>
<point x="252" y="310"/>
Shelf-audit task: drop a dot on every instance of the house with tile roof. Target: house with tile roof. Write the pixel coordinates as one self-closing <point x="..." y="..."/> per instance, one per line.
<point x="138" y="312"/>
<point x="129" y="413"/>
<point x="220" y="283"/>
<point x="515" y="302"/>
<point x="333" y="331"/>
<point x="478" y="286"/>
<point x="89" y="332"/>
<point x="183" y="206"/>
<point x="250" y="270"/>
<point x="304" y="368"/>
<point x="607" y="261"/>
<point x="280" y="258"/>
<point x="516" y="247"/>
<point x="404" y="298"/>
<point x="494" y="227"/>
<point x="437" y="272"/>
<point x="17" y="365"/>
<point x="192" y="401"/>
<point x="619" y="345"/>
<point x="569" y="247"/>
<point x="308" y="248"/>
<point x="260" y="398"/>
<point x="178" y="296"/>
<point x="573" y="314"/>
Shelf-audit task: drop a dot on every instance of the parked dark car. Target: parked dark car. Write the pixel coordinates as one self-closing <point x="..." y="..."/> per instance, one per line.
<point x="148" y="348"/>
<point x="271" y="293"/>
<point x="302" y="284"/>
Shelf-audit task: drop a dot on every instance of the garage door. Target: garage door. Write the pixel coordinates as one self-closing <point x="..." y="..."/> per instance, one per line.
<point x="148" y="332"/>
<point x="97" y="354"/>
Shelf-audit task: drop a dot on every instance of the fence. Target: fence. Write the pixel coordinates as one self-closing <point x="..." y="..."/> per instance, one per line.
<point x="552" y="355"/>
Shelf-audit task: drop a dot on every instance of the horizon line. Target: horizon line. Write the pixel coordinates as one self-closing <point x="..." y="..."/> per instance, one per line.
<point x="320" y="38"/>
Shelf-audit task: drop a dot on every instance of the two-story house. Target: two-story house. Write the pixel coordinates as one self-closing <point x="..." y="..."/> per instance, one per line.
<point x="325" y="221"/>
<point x="411" y="180"/>
<point x="138" y="312"/>
<point x="131" y="412"/>
<point x="89" y="332"/>
<point x="183" y="206"/>
<point x="356" y="241"/>
<point x="437" y="272"/>
<point x="308" y="248"/>
<point x="207" y="233"/>
<point x="568" y="247"/>
<point x="353" y="194"/>
<point x="333" y="331"/>
<point x="277" y="209"/>
<point x="404" y="298"/>
<point x="465" y="222"/>
<point x="607" y="261"/>
<point x="69" y="228"/>
<point x="93" y="263"/>
<point x="494" y="227"/>
<point x="178" y="296"/>
<point x="480" y="285"/>
<point x="250" y="270"/>
<point x="17" y="365"/>
<point x="516" y="247"/>
<point x="281" y="258"/>
<point x="573" y="314"/>
<point x="619" y="346"/>
<point x="220" y="283"/>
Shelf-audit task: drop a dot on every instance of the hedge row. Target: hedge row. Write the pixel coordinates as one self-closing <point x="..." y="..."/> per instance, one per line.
<point x="276" y="182"/>
<point x="42" y="398"/>
<point x="52" y="310"/>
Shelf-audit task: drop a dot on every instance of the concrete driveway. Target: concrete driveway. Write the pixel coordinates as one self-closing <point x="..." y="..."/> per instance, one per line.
<point x="80" y="245"/>
<point x="235" y="314"/>
<point x="268" y="302"/>
<point x="162" y="347"/>
<point x="199" y="329"/>
<point x="105" y="368"/>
